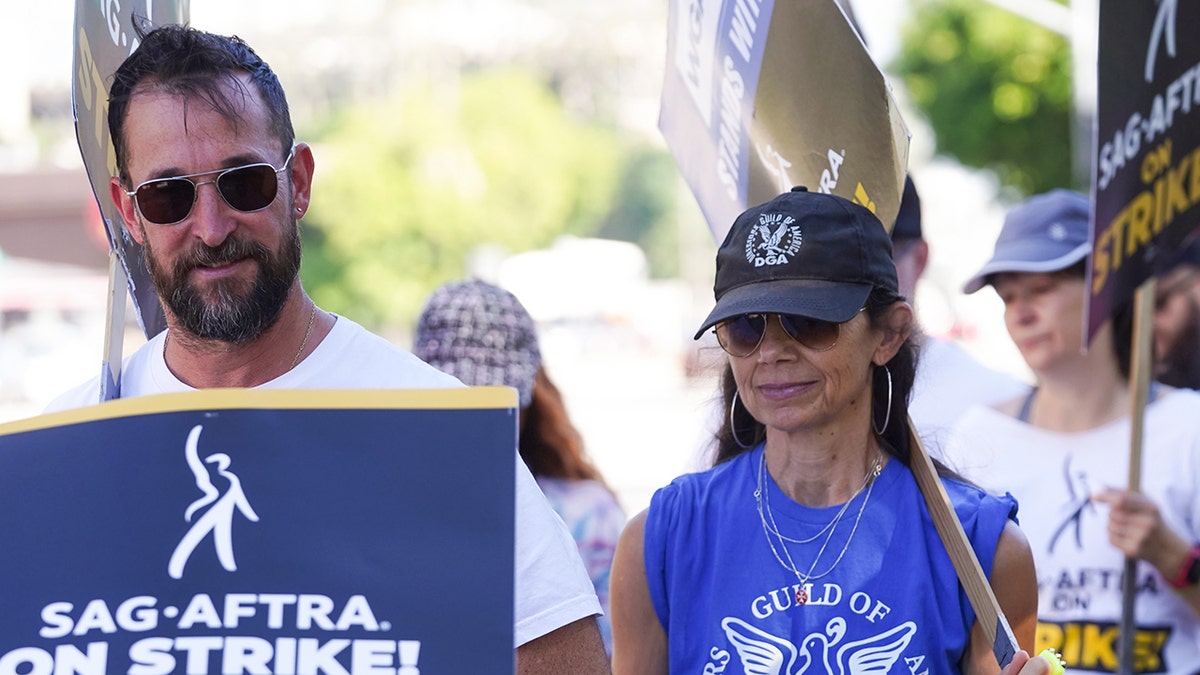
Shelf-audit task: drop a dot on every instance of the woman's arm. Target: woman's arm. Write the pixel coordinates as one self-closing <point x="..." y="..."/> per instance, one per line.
<point x="639" y="641"/>
<point x="1014" y="583"/>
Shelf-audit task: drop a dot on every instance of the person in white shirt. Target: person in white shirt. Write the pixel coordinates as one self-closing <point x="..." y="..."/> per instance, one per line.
<point x="949" y="380"/>
<point x="211" y="183"/>
<point x="1062" y="449"/>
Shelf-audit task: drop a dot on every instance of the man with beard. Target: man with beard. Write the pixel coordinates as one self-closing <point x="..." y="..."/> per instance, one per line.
<point x="1177" y="321"/>
<point x="211" y="182"/>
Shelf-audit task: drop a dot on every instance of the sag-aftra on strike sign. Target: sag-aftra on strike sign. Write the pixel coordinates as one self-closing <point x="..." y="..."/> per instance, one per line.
<point x="241" y="531"/>
<point x="1146" y="174"/>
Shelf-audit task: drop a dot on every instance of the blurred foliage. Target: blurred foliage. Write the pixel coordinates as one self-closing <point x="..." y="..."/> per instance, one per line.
<point x="406" y="189"/>
<point x="995" y="87"/>
<point x="645" y="210"/>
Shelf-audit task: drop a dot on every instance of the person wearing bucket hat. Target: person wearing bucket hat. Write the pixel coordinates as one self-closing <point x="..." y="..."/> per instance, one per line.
<point x="1047" y="233"/>
<point x="810" y="509"/>
<point x="482" y="334"/>
<point x="1062" y="449"/>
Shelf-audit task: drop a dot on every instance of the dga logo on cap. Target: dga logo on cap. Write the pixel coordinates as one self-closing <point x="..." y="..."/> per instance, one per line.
<point x="1058" y="232"/>
<point x="773" y="241"/>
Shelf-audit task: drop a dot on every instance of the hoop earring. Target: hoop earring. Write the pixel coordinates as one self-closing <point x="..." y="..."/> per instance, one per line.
<point x="732" y="428"/>
<point x="887" y="418"/>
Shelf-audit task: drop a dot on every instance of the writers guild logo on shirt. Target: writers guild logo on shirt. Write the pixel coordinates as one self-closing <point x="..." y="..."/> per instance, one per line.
<point x="1078" y="502"/>
<point x="773" y="241"/>
<point x="217" y="510"/>
<point x="764" y="653"/>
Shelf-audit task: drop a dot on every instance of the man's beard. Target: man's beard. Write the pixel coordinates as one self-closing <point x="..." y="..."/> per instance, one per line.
<point x="1180" y="365"/>
<point x="226" y="315"/>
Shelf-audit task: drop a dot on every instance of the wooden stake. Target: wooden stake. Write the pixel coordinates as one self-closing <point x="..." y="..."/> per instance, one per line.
<point x="1140" y="369"/>
<point x="966" y="564"/>
<point x="114" y="325"/>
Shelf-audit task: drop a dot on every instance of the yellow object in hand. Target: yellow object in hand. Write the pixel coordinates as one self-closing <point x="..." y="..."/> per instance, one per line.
<point x="1056" y="663"/>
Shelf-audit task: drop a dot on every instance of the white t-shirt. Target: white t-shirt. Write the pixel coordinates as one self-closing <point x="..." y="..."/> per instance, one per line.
<point x="1052" y="475"/>
<point x="552" y="586"/>
<point x="949" y="381"/>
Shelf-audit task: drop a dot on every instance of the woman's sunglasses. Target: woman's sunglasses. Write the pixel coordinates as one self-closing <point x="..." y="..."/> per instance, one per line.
<point x="741" y="335"/>
<point x="166" y="201"/>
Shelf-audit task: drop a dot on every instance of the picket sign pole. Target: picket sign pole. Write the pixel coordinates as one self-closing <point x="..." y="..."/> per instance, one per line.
<point x="1140" y="367"/>
<point x="966" y="564"/>
<point x="114" y="329"/>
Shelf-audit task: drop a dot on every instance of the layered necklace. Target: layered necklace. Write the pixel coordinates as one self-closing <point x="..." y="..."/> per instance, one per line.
<point x="762" y="502"/>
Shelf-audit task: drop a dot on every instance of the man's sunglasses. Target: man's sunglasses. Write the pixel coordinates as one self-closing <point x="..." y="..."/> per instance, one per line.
<point x="741" y="335"/>
<point x="166" y="201"/>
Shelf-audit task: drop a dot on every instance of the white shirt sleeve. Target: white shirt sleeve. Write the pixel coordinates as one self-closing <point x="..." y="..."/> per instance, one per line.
<point x="552" y="585"/>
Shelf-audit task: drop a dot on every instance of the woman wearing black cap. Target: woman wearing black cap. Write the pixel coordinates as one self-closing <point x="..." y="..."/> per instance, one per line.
<point x="808" y="546"/>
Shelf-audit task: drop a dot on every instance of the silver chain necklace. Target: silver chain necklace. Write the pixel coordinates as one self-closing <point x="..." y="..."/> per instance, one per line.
<point x="771" y="529"/>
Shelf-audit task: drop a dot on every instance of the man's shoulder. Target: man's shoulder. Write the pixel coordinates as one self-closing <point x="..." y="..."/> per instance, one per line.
<point x="353" y="357"/>
<point x="79" y="396"/>
<point x="133" y="368"/>
<point x="950" y="380"/>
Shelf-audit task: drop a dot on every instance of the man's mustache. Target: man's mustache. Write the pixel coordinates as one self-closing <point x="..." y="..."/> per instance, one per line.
<point x="228" y="252"/>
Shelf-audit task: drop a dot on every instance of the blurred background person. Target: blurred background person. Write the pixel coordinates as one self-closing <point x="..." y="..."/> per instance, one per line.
<point x="949" y="380"/>
<point x="1062" y="449"/>
<point x="1177" y="320"/>
<point x="483" y="335"/>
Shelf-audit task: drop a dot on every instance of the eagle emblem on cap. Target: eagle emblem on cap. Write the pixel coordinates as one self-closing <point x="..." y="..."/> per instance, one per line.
<point x="773" y="240"/>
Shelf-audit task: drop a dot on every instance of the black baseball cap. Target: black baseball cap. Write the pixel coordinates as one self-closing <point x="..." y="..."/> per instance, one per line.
<point x="908" y="220"/>
<point x="806" y="253"/>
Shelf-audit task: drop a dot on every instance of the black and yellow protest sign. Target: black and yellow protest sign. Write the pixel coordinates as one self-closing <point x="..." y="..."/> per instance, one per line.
<point x="1146" y="178"/>
<point x="104" y="36"/>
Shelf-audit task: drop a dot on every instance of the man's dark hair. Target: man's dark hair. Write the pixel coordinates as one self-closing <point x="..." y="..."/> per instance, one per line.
<point x="191" y="63"/>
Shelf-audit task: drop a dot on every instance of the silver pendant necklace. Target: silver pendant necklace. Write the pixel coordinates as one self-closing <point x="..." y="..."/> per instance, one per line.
<point x="771" y="529"/>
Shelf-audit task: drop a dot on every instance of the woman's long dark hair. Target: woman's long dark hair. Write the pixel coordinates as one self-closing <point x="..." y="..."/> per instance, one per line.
<point x="903" y="368"/>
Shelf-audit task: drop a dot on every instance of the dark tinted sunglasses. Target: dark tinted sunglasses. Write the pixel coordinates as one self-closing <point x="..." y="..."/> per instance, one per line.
<point x="741" y="335"/>
<point x="166" y="201"/>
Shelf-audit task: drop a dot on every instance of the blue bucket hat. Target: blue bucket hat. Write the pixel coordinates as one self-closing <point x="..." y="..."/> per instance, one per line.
<point x="1047" y="233"/>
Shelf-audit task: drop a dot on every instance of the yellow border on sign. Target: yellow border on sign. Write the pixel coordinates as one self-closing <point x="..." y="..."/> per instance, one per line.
<point x="458" y="398"/>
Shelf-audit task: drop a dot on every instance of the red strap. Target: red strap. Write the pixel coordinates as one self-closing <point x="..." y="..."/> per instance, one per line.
<point x="1181" y="579"/>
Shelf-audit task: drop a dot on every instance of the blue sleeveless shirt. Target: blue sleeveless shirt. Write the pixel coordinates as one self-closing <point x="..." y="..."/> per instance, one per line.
<point x="892" y="603"/>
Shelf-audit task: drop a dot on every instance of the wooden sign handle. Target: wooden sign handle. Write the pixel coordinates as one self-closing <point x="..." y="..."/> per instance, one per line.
<point x="966" y="564"/>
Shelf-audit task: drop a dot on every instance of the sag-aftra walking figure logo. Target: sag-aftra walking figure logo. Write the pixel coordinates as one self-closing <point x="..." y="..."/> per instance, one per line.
<point x="218" y="519"/>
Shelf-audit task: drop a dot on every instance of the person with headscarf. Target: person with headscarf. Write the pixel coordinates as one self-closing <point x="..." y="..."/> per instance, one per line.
<point x="482" y="334"/>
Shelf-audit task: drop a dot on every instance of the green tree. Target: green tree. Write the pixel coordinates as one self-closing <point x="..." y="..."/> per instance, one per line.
<point x="996" y="89"/>
<point x="644" y="212"/>
<point x="406" y="189"/>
